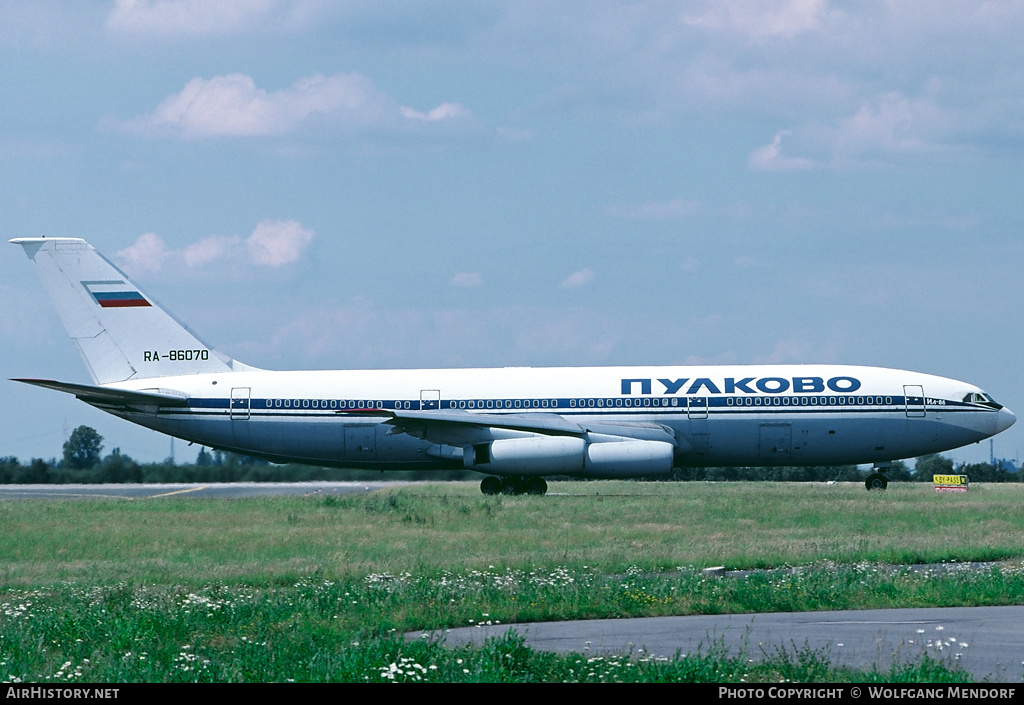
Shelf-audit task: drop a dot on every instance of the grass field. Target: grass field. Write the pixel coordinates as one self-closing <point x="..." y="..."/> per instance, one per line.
<point x="321" y="587"/>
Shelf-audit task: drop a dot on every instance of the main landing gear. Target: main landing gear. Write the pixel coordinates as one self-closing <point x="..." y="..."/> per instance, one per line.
<point x="513" y="485"/>
<point x="877" y="479"/>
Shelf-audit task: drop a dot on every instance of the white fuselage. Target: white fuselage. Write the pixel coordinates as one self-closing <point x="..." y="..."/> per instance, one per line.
<point x="719" y="416"/>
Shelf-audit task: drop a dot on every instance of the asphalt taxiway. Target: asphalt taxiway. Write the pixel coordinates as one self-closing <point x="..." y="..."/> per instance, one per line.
<point x="987" y="642"/>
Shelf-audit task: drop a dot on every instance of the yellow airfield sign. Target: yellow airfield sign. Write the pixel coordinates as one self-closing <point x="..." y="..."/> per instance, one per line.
<point x="950" y="483"/>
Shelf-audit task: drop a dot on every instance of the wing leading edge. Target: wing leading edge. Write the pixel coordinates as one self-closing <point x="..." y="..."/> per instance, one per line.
<point x="461" y="427"/>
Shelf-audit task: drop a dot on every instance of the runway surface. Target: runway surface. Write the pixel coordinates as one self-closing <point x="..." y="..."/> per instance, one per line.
<point x="220" y="490"/>
<point x="988" y="642"/>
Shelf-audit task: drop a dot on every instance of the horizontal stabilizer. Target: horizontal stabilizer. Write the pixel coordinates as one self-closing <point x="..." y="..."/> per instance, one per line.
<point x="109" y="395"/>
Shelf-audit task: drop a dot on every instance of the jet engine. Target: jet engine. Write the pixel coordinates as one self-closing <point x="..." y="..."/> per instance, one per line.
<point x="570" y="455"/>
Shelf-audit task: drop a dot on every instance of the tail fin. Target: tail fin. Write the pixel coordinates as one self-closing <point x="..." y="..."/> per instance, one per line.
<point x="120" y="332"/>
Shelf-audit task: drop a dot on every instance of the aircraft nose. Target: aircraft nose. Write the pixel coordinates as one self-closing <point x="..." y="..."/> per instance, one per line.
<point x="1006" y="419"/>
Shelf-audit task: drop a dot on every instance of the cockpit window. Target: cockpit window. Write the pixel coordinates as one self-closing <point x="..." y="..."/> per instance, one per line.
<point x="982" y="398"/>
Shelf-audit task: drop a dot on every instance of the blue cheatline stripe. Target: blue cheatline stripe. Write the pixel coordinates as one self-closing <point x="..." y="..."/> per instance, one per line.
<point x="715" y="405"/>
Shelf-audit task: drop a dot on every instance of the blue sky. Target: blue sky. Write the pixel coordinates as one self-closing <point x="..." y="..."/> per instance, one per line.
<point x="358" y="184"/>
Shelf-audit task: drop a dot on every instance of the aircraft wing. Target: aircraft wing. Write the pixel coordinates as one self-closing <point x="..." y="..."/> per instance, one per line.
<point x="109" y="396"/>
<point x="460" y="428"/>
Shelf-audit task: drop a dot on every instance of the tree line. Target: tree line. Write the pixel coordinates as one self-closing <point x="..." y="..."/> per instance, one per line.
<point x="83" y="462"/>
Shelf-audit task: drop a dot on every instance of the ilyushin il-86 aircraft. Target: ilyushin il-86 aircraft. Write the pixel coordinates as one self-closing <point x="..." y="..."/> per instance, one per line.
<point x="515" y="425"/>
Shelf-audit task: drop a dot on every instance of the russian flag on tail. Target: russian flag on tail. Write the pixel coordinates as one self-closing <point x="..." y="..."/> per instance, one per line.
<point x="115" y="294"/>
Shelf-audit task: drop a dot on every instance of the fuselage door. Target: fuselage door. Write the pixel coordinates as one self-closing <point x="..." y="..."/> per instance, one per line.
<point x="914" y="395"/>
<point x="776" y="441"/>
<point x="360" y="442"/>
<point x="239" y="403"/>
<point x="430" y="399"/>
<point x="697" y="408"/>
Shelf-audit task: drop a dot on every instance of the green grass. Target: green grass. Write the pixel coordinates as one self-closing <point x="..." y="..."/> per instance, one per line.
<point x="453" y="527"/>
<point x="325" y="631"/>
<point x="321" y="588"/>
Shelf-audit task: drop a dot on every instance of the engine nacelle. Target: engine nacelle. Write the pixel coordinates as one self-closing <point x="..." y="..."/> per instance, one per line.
<point x="536" y="455"/>
<point x="628" y="459"/>
<point x="569" y="455"/>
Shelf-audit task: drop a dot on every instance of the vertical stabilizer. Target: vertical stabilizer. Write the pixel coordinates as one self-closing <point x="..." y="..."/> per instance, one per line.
<point x="120" y="332"/>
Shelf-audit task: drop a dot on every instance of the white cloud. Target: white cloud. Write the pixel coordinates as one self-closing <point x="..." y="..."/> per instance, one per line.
<point x="891" y="123"/>
<point x="792" y="63"/>
<point x="770" y="157"/>
<point x="442" y="112"/>
<point x="212" y="248"/>
<point x="762" y="18"/>
<point x="171" y="18"/>
<point x="578" y="279"/>
<point x="233" y="106"/>
<point x="273" y="243"/>
<point x="888" y="125"/>
<point x="147" y="254"/>
<point x="467" y="279"/>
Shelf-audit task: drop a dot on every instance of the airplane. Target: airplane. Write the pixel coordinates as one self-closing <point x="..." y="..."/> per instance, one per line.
<point x="514" y="425"/>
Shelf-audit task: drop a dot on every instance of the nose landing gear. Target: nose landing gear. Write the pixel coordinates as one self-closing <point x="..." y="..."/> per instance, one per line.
<point x="877" y="479"/>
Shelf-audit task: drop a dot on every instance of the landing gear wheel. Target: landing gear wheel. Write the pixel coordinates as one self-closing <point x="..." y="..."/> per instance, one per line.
<point x="536" y="485"/>
<point x="876" y="481"/>
<point x="511" y="485"/>
<point x="491" y="485"/>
